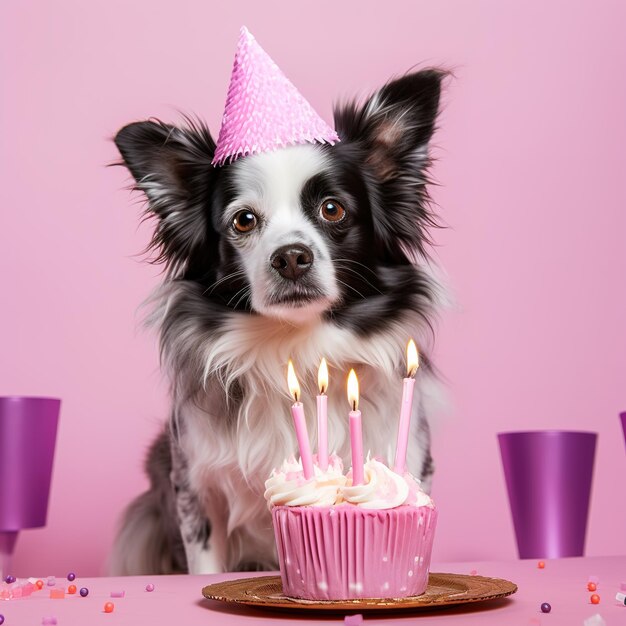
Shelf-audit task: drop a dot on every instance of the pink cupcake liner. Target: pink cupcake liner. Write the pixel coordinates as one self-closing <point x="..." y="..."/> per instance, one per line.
<point x="346" y="552"/>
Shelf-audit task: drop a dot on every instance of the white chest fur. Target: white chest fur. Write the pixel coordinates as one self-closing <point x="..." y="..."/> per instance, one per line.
<point x="233" y="441"/>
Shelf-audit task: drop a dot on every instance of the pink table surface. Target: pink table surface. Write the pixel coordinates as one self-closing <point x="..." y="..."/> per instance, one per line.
<point x="177" y="600"/>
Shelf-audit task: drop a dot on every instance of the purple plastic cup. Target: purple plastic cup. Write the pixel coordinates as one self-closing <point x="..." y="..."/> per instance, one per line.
<point x="28" y="428"/>
<point x="548" y="477"/>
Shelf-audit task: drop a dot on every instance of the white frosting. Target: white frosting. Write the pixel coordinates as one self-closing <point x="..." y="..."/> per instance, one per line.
<point x="382" y="488"/>
<point x="288" y="487"/>
<point x="417" y="497"/>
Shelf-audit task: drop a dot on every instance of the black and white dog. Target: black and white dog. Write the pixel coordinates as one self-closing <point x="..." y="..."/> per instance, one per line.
<point x="310" y="251"/>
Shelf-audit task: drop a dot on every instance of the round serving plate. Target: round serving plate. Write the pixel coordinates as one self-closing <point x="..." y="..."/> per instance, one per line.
<point x="442" y="590"/>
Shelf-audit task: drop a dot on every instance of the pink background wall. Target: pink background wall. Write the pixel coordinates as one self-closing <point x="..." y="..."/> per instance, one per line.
<point x="531" y="162"/>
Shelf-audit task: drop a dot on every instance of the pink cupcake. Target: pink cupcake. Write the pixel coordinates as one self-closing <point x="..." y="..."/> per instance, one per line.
<point x="337" y="541"/>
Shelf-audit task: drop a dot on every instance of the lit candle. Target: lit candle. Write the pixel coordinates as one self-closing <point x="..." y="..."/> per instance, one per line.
<point x="356" y="435"/>
<point x="412" y="363"/>
<point x="322" y="416"/>
<point x="297" y="412"/>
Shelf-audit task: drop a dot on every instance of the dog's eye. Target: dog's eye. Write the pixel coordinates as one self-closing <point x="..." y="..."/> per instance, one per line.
<point x="332" y="211"/>
<point x="245" y="221"/>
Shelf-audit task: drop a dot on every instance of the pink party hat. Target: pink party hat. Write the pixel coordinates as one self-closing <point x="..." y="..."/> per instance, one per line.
<point x="264" y="111"/>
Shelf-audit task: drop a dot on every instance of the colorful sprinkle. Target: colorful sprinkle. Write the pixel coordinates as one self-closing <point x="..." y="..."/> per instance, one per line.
<point x="28" y="589"/>
<point x="108" y="607"/>
<point x="118" y="594"/>
<point x="71" y="589"/>
<point x="149" y="587"/>
<point x="541" y="564"/>
<point x="9" y="579"/>
<point x="52" y="581"/>
<point x="591" y="586"/>
<point x="595" y="598"/>
<point x="71" y="576"/>
<point x="1" y="620"/>
<point x="546" y="607"/>
<point x="621" y="597"/>
<point x="58" y="593"/>
<point x="84" y="592"/>
<point x="39" y="584"/>
<point x="473" y="572"/>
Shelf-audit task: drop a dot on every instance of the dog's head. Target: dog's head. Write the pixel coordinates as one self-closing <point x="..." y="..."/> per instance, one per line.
<point x="304" y="231"/>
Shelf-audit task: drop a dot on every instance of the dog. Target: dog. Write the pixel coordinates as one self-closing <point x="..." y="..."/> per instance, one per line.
<point x="309" y="251"/>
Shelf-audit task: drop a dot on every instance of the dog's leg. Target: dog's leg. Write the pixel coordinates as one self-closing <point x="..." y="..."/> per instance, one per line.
<point x="149" y="540"/>
<point x="205" y="545"/>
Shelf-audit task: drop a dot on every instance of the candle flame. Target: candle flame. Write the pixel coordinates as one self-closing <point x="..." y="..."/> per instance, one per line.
<point x="322" y="376"/>
<point x="353" y="390"/>
<point x="412" y="359"/>
<point x="292" y="381"/>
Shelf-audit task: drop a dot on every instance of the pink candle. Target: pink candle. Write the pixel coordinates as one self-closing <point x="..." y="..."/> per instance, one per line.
<point x="404" y="427"/>
<point x="356" y="435"/>
<point x="297" y="412"/>
<point x="322" y="417"/>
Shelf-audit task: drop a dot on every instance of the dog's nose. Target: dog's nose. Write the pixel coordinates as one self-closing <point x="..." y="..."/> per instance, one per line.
<point x="292" y="261"/>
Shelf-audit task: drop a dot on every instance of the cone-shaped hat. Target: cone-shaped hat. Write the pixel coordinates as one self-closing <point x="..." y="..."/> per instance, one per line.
<point x="264" y="111"/>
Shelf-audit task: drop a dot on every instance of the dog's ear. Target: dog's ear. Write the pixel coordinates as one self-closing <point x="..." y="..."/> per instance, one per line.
<point x="172" y="166"/>
<point x="392" y="130"/>
<point x="395" y="124"/>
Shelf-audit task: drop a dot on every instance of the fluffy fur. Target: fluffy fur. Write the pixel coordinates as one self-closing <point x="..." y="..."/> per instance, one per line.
<point x="229" y="317"/>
